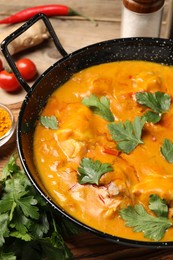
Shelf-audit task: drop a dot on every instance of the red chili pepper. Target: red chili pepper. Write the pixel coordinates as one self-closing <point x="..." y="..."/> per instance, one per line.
<point x="111" y="152"/>
<point x="49" y="10"/>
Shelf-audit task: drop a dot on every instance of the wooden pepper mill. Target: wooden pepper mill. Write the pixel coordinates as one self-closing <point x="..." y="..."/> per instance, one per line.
<point x="141" y="18"/>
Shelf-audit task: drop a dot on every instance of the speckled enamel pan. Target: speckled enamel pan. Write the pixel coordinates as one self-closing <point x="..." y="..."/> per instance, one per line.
<point x="148" y="49"/>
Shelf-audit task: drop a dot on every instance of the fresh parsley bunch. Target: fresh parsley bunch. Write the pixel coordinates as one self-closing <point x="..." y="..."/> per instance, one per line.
<point x="29" y="229"/>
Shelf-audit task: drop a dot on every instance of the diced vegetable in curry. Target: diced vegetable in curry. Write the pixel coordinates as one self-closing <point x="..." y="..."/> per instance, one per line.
<point x="103" y="148"/>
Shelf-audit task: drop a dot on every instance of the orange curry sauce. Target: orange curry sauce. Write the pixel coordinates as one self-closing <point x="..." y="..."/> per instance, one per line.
<point x="81" y="133"/>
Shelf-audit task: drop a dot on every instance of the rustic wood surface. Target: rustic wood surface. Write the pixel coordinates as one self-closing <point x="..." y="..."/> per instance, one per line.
<point x="75" y="33"/>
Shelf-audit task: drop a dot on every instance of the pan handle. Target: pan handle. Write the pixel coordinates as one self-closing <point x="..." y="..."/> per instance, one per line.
<point x="18" y="32"/>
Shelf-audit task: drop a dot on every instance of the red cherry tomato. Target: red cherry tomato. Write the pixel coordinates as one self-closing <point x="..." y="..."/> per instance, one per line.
<point x="27" y="68"/>
<point x="8" y="81"/>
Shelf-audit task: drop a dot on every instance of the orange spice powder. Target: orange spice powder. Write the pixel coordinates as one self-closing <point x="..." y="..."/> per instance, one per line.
<point x="5" y="122"/>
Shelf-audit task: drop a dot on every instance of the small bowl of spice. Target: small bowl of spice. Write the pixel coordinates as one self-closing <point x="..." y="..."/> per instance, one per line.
<point x="7" y="124"/>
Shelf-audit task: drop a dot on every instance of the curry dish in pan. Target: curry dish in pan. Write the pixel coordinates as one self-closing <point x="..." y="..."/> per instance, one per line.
<point x="103" y="148"/>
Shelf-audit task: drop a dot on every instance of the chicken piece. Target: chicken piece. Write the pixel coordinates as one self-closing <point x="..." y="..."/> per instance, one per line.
<point x="147" y="81"/>
<point x="101" y="86"/>
<point x="76" y="130"/>
<point x="73" y="148"/>
<point x="113" y="199"/>
<point x="154" y="184"/>
<point x="77" y="120"/>
<point x="113" y="189"/>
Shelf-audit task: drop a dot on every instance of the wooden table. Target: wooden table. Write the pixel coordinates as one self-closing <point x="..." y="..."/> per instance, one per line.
<point x="75" y="33"/>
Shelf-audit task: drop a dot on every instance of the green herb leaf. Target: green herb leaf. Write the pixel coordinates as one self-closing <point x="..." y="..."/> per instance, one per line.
<point x="167" y="150"/>
<point x="7" y="256"/>
<point x="159" y="102"/>
<point x="127" y="134"/>
<point x="27" y="205"/>
<point x="91" y="171"/>
<point x="4" y="230"/>
<point x="49" y="122"/>
<point x="158" y="206"/>
<point x="40" y="227"/>
<point x="152" y="117"/>
<point x="50" y="248"/>
<point x="99" y="106"/>
<point x="59" y="245"/>
<point x="10" y="167"/>
<point x="153" y="227"/>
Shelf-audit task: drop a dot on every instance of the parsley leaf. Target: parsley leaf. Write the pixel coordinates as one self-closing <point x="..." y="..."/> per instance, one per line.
<point x="3" y="231"/>
<point x="7" y="256"/>
<point x="158" y="206"/>
<point x="91" y="171"/>
<point x="159" y="102"/>
<point x="152" y="117"/>
<point x="49" y="122"/>
<point x="167" y="150"/>
<point x="127" y="134"/>
<point x="99" y="106"/>
<point x="153" y="227"/>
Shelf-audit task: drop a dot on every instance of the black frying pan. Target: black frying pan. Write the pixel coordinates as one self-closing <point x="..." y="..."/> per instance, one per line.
<point x="148" y="49"/>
